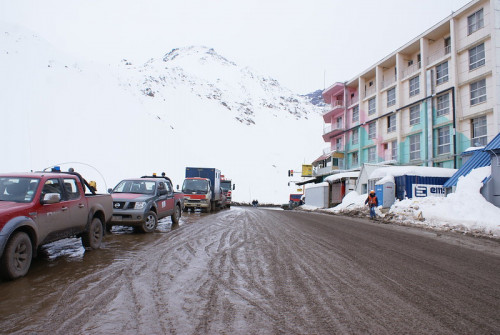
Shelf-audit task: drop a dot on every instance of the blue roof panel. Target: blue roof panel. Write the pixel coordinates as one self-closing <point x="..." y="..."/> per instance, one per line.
<point x="494" y="143"/>
<point x="478" y="159"/>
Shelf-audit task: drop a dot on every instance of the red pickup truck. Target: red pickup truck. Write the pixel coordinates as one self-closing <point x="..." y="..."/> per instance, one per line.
<point x="42" y="207"/>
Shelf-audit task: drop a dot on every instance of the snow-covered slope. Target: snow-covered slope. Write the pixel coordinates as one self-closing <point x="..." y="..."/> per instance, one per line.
<point x="190" y="107"/>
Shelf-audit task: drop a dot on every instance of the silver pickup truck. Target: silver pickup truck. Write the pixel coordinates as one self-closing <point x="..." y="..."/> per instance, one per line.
<point x="42" y="207"/>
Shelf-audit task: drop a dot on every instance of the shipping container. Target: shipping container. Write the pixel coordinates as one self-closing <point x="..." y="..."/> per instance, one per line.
<point x="408" y="186"/>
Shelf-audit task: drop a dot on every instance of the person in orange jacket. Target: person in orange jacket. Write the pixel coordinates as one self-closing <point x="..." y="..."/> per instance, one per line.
<point x="372" y="202"/>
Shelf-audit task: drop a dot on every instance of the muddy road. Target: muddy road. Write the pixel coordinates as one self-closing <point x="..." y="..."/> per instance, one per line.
<point x="258" y="271"/>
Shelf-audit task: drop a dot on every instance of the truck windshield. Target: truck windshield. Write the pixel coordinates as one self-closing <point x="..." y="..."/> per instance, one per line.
<point x="226" y="185"/>
<point x="195" y="186"/>
<point x="18" y="189"/>
<point x="135" y="186"/>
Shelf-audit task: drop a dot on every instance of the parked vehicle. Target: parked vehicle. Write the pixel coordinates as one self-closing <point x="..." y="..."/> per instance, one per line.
<point x="42" y="207"/>
<point x="202" y="189"/>
<point x="141" y="202"/>
<point x="227" y="188"/>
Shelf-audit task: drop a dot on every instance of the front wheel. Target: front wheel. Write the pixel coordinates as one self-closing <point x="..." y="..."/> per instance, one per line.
<point x="16" y="259"/>
<point x="177" y="214"/>
<point x="150" y="223"/>
<point x="92" y="238"/>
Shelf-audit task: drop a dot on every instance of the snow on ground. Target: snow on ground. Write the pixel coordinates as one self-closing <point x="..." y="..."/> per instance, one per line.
<point x="466" y="210"/>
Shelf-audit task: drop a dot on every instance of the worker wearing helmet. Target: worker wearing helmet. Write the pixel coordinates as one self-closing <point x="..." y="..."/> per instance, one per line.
<point x="372" y="202"/>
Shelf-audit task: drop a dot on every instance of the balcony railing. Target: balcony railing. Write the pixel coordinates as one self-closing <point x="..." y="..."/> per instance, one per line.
<point x="411" y="69"/>
<point x="334" y="105"/>
<point x="388" y="82"/>
<point x="331" y="128"/>
<point x="441" y="53"/>
<point x="370" y="91"/>
<point x="353" y="101"/>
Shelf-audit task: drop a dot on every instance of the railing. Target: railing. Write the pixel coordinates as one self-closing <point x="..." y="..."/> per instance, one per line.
<point x="411" y="69"/>
<point x="335" y="104"/>
<point x="353" y="101"/>
<point x="370" y="90"/>
<point x="389" y="81"/>
<point x="441" y="53"/>
<point x="333" y="127"/>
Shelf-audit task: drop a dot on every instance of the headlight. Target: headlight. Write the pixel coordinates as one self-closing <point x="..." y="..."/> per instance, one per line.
<point x="140" y="205"/>
<point x="186" y="197"/>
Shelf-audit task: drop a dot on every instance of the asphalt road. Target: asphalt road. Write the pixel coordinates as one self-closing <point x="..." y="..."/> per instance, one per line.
<point x="259" y="271"/>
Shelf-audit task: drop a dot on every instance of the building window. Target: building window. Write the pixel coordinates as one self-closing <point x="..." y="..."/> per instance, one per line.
<point x="442" y="73"/>
<point x="414" y="115"/>
<point x="338" y="144"/>
<point x="391" y="97"/>
<point x="394" y="150"/>
<point x="476" y="57"/>
<point x="478" y="92"/>
<point x="372" y="130"/>
<point x="443" y="137"/>
<point x="415" y="147"/>
<point x="339" y="122"/>
<point x="355" y="160"/>
<point x="414" y="86"/>
<point x="372" y="106"/>
<point x="443" y="104"/>
<point x="355" y="135"/>
<point x="479" y="131"/>
<point x="391" y="123"/>
<point x="475" y="21"/>
<point x="355" y="114"/>
<point x="447" y="45"/>
<point x="372" y="154"/>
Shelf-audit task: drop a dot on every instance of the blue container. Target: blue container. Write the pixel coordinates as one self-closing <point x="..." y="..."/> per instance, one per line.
<point x="379" y="192"/>
<point x="419" y="187"/>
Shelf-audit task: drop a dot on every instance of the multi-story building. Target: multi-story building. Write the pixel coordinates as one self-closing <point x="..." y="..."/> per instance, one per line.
<point x="426" y="102"/>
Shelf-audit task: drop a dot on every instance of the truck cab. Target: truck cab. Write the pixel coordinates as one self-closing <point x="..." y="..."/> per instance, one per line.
<point x="227" y="188"/>
<point x="202" y="189"/>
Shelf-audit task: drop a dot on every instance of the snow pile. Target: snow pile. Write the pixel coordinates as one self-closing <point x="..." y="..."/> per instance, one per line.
<point x="465" y="210"/>
<point x="338" y="176"/>
<point x="422" y="171"/>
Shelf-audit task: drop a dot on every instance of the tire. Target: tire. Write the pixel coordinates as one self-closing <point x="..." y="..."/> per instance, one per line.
<point x="177" y="214"/>
<point x="16" y="258"/>
<point x="150" y="222"/>
<point x="92" y="238"/>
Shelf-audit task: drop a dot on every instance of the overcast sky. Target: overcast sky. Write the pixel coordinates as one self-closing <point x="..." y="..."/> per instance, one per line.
<point x="305" y="45"/>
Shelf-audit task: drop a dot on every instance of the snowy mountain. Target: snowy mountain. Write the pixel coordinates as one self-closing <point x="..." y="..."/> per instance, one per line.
<point x="210" y="76"/>
<point x="189" y="107"/>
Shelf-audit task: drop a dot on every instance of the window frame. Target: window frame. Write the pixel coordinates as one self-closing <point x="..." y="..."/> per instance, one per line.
<point x="391" y="97"/>
<point x="355" y="136"/>
<point x="414" y="86"/>
<point x="477" y="92"/>
<point x="474" y="53"/>
<point x="394" y="150"/>
<point x="372" y="154"/>
<point x="443" y="140"/>
<point x="372" y="130"/>
<point x="414" y="141"/>
<point x="444" y="76"/>
<point x="442" y="110"/>
<point x="412" y="110"/>
<point x="475" y="21"/>
<point x="372" y="106"/>
<point x="479" y="123"/>
<point x="391" y="123"/>
<point x="355" y="109"/>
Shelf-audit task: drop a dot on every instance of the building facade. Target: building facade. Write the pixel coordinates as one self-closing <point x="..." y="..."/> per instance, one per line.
<point x="426" y="102"/>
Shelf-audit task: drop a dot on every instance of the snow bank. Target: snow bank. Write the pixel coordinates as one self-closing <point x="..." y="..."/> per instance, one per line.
<point x="465" y="210"/>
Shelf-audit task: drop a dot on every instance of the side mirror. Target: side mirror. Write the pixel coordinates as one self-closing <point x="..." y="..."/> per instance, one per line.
<point x="234" y="186"/>
<point x="51" y="198"/>
<point x="177" y="186"/>
<point x="110" y="190"/>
